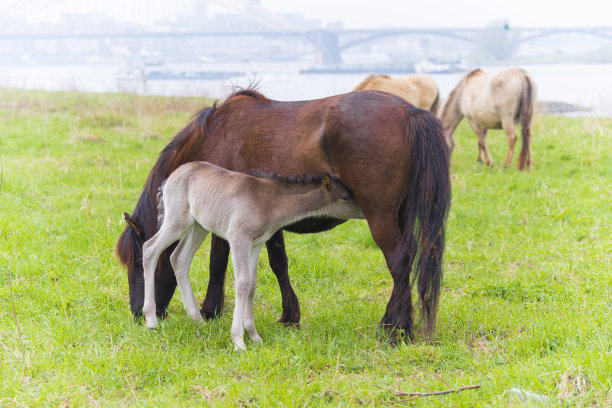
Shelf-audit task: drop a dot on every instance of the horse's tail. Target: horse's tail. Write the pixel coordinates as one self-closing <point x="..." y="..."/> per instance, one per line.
<point x="423" y="214"/>
<point x="143" y="222"/>
<point x="526" y="117"/>
<point x="435" y="106"/>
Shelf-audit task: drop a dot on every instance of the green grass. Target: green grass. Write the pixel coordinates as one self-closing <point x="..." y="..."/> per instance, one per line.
<point x="526" y="299"/>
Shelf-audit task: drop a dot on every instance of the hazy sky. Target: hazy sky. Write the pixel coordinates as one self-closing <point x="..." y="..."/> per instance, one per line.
<point x="354" y="13"/>
<point x="451" y="13"/>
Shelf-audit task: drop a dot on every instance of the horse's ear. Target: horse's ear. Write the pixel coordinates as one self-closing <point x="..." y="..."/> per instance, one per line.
<point x="326" y="184"/>
<point x="133" y="224"/>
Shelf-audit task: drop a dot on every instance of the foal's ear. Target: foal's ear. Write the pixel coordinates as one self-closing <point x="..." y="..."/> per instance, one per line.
<point x="133" y="224"/>
<point x="326" y="184"/>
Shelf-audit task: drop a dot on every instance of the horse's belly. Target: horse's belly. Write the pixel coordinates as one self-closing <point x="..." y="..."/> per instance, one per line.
<point x="488" y="120"/>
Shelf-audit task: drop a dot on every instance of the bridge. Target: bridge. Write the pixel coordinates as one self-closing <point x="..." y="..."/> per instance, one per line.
<point x="329" y="44"/>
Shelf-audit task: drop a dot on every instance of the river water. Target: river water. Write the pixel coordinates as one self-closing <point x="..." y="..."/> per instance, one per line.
<point x="588" y="85"/>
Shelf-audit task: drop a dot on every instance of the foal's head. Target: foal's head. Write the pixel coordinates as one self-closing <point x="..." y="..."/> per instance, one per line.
<point x="335" y="188"/>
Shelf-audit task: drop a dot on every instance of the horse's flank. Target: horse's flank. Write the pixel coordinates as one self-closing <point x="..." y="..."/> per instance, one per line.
<point x="418" y="89"/>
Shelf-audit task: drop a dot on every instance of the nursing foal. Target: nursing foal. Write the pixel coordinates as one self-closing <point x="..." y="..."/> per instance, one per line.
<point x="199" y="197"/>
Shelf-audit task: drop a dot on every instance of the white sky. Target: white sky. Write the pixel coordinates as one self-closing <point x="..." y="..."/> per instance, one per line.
<point x="451" y="13"/>
<point x="354" y="13"/>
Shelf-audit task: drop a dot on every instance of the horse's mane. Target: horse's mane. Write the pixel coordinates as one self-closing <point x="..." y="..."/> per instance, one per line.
<point x="252" y="90"/>
<point x="473" y="73"/>
<point x="182" y="148"/>
<point x="363" y="83"/>
<point x="454" y="95"/>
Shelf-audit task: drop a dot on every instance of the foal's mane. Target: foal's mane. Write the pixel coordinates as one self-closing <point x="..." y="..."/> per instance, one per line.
<point x="293" y="179"/>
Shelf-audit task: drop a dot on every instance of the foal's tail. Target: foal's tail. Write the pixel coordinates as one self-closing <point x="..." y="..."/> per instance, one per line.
<point x="425" y="209"/>
<point x="526" y="116"/>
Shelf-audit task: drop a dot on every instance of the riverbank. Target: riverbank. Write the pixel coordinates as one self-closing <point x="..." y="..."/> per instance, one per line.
<point x="524" y="309"/>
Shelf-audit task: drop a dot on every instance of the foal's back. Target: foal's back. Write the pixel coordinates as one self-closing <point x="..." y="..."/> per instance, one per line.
<point x="224" y="201"/>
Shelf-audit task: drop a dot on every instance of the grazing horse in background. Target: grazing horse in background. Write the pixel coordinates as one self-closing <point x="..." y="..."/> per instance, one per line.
<point x="493" y="101"/>
<point x="391" y="156"/>
<point x="200" y="197"/>
<point x="418" y="89"/>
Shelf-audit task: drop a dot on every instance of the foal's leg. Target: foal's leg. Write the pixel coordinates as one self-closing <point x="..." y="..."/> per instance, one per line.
<point x="241" y="253"/>
<point x="249" y="316"/>
<point x="482" y="143"/>
<point x="181" y="262"/>
<point x="277" y="256"/>
<point x="151" y="250"/>
<point x="508" y="125"/>
<point x="219" y="255"/>
<point x="150" y="256"/>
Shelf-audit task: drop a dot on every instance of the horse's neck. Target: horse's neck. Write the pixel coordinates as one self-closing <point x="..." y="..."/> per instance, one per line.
<point x="451" y="114"/>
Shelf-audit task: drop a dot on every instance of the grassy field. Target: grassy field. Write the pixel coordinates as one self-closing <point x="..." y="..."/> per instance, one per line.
<point x="526" y="304"/>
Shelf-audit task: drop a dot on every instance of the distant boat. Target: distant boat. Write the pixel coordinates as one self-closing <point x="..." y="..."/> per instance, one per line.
<point x="167" y="74"/>
<point x="359" y="69"/>
<point x="432" y="66"/>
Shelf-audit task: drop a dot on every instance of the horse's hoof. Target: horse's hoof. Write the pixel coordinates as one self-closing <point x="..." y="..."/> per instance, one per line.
<point x="290" y="320"/>
<point x="210" y="314"/>
<point x="256" y="339"/>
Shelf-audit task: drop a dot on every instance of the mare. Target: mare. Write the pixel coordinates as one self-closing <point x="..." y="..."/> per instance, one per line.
<point x="390" y="155"/>
<point x="418" y="89"/>
<point x="246" y="211"/>
<point x="493" y="101"/>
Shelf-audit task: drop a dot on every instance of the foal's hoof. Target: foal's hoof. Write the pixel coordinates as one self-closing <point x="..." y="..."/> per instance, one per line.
<point x="151" y="323"/>
<point x="239" y="348"/>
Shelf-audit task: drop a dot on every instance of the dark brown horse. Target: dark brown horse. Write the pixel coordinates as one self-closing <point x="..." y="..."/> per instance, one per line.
<point x="390" y="155"/>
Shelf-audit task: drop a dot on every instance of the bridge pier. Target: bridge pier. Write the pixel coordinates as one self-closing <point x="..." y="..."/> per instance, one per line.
<point x="327" y="46"/>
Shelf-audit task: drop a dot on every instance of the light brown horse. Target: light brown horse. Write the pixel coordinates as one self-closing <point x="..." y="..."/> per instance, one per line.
<point x="418" y="89"/>
<point x="493" y="101"/>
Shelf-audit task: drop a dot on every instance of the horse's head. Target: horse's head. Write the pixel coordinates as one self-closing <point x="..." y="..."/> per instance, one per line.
<point x="129" y="251"/>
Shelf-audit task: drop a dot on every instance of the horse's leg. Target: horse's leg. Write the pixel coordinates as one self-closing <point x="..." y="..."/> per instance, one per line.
<point x="249" y="317"/>
<point x="165" y="283"/>
<point x="483" y="150"/>
<point x="277" y="257"/>
<point x="241" y="252"/>
<point x="525" y="161"/>
<point x="508" y="125"/>
<point x="399" y="312"/>
<point x="181" y="260"/>
<point x="219" y="255"/>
